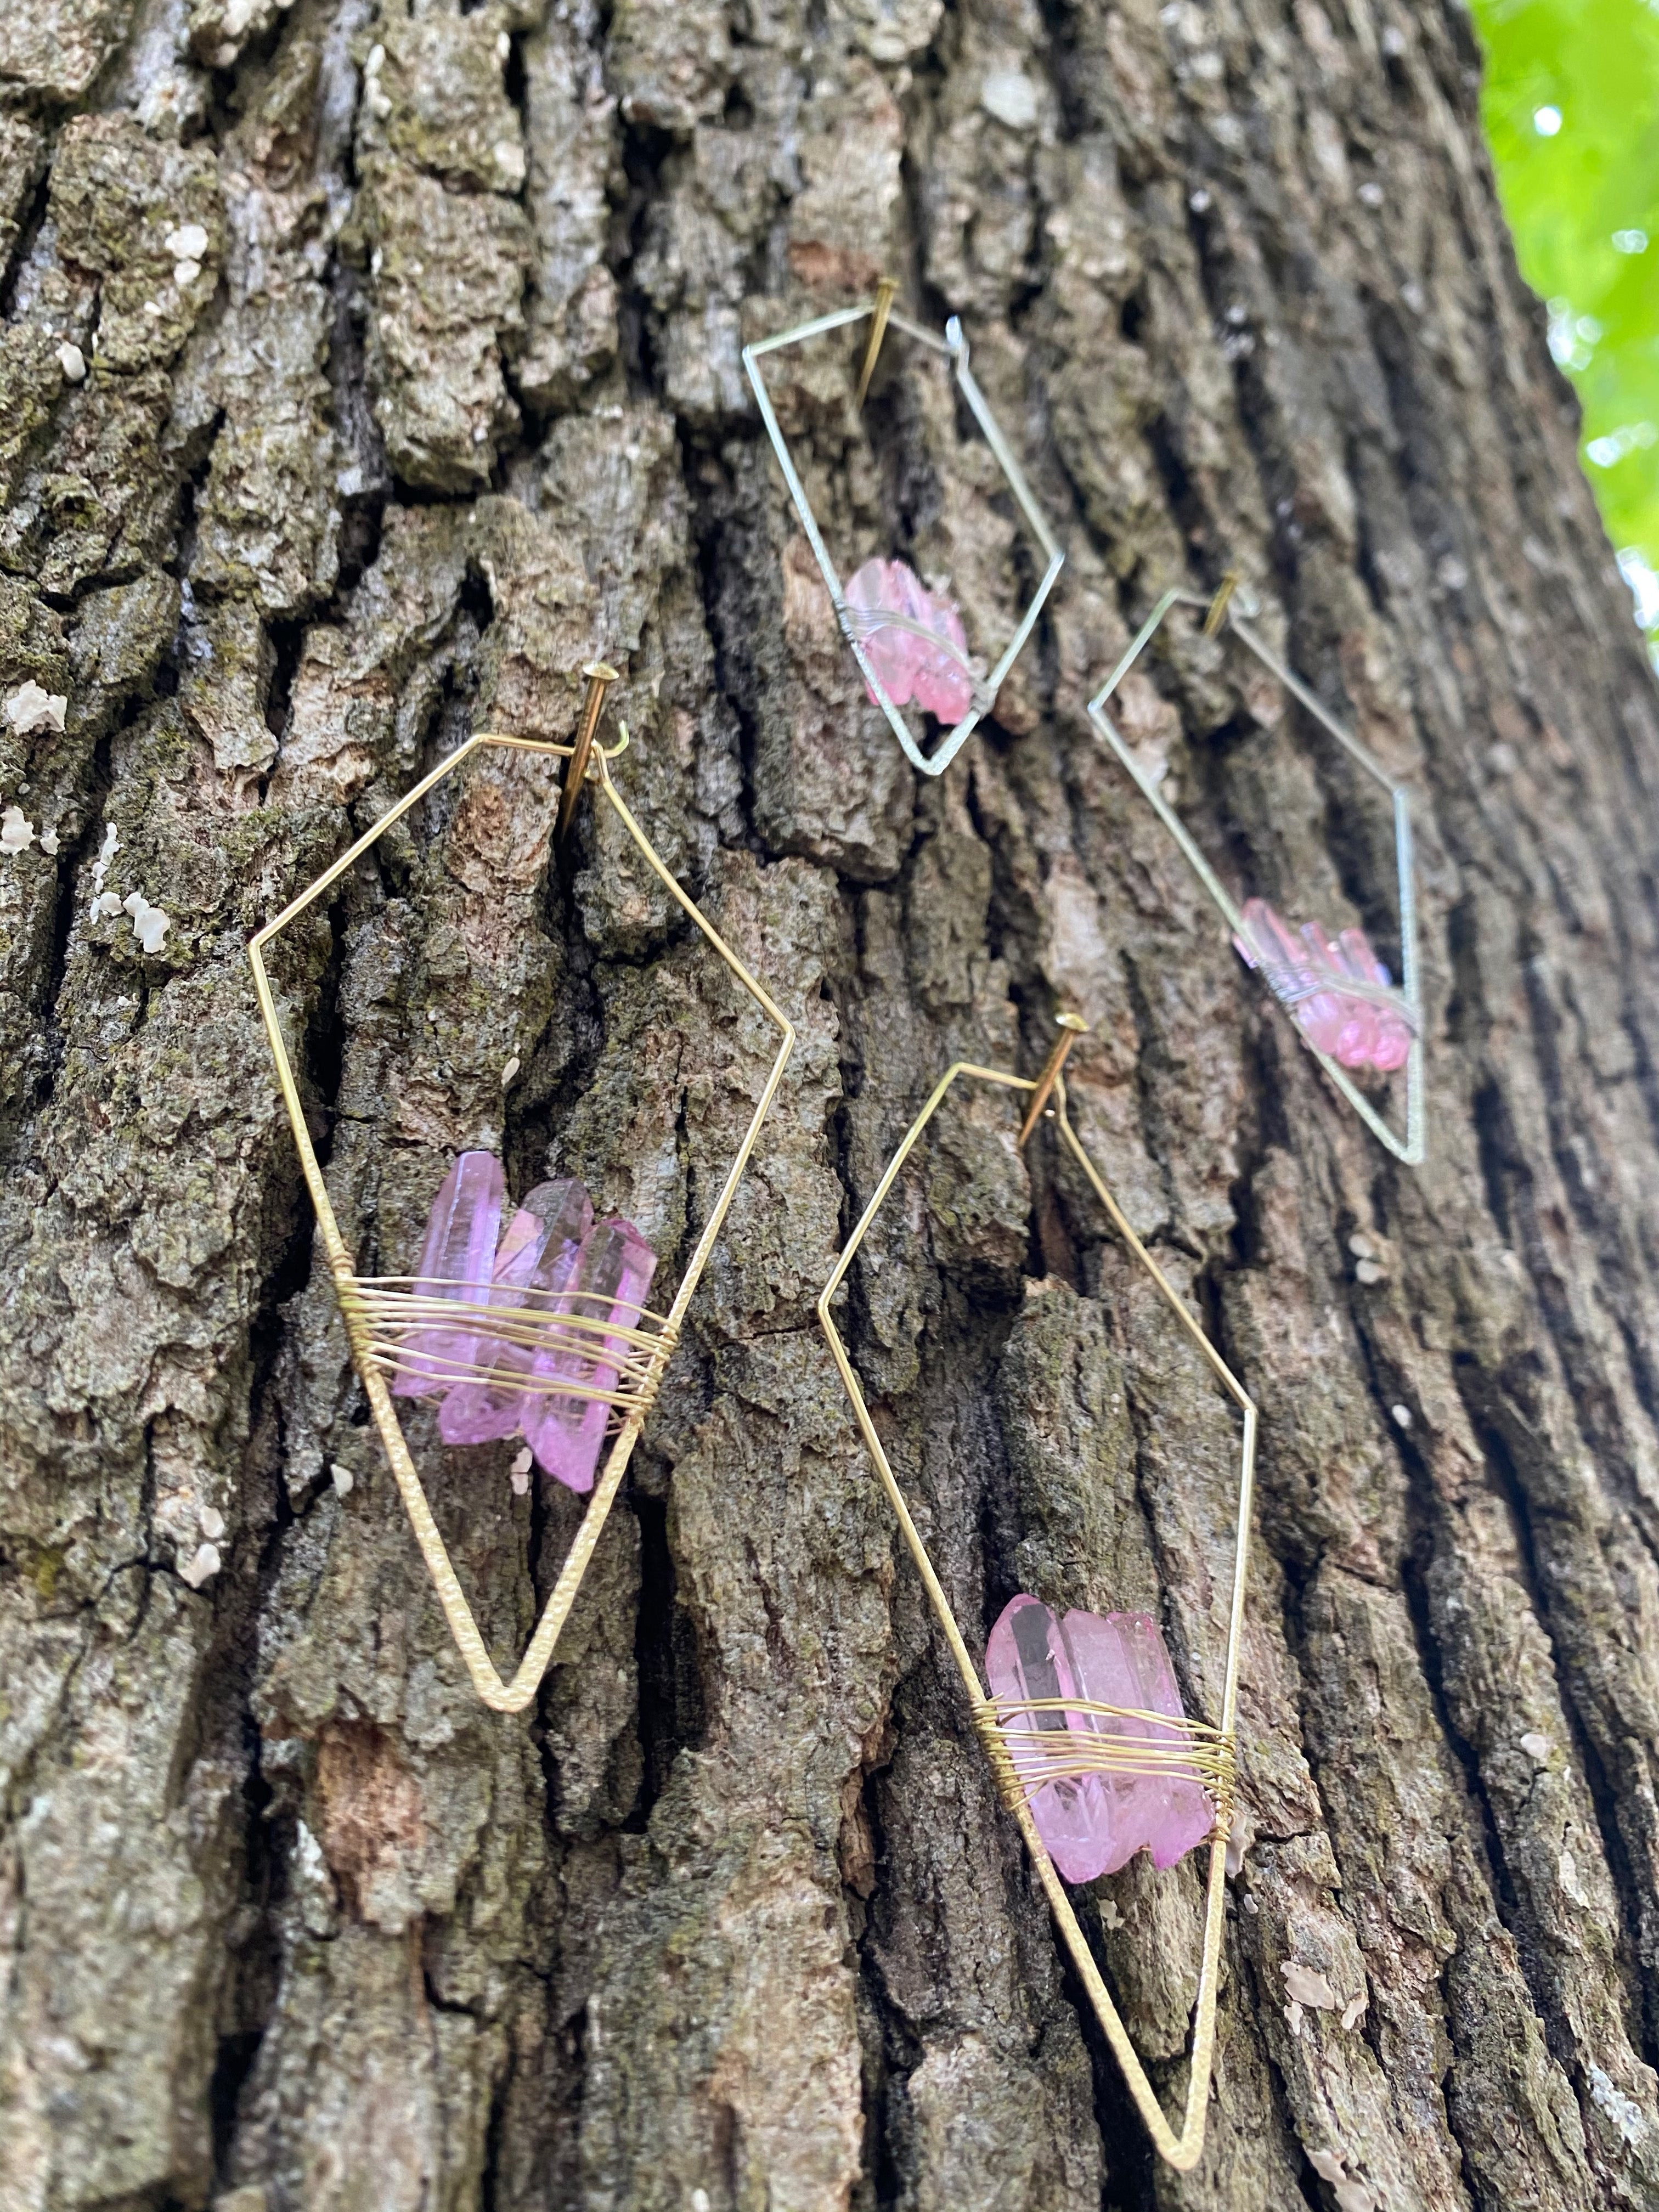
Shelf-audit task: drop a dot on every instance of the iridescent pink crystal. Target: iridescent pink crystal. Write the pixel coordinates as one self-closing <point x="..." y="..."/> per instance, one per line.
<point x="1315" y="978"/>
<point x="903" y="651"/>
<point x="457" y="1261"/>
<point x="536" y="1260"/>
<point x="611" y="1276"/>
<point x="553" y="1260"/>
<point x="1092" y="1824"/>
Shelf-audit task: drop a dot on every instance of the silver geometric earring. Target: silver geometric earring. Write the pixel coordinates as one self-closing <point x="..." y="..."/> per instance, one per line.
<point x="1347" y="1012"/>
<point x="908" y="633"/>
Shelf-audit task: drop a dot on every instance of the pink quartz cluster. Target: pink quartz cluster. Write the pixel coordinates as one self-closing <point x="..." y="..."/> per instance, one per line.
<point x="1370" y="1027"/>
<point x="1096" y="1823"/>
<point x="553" y="1259"/>
<point x="914" y="640"/>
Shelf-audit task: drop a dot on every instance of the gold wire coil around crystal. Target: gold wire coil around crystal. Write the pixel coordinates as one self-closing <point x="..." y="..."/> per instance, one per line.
<point x="381" y="1317"/>
<point x="1212" y="1751"/>
<point x="1206" y="1755"/>
<point x="378" y="1311"/>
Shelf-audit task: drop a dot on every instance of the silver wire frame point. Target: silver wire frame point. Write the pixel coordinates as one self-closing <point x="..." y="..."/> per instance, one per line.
<point x="954" y="347"/>
<point x="1411" y="1149"/>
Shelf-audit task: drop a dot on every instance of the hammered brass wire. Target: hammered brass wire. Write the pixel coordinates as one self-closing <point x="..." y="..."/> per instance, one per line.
<point x="372" y="1307"/>
<point x="1211" y="1750"/>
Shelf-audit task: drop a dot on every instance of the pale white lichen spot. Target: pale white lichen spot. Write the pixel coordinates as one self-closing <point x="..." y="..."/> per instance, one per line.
<point x="152" y="307"/>
<point x="1623" y="2112"/>
<point x="1329" y="2164"/>
<point x="1402" y="1416"/>
<point x="1354" y="2011"/>
<point x="204" y="1563"/>
<point x="1567" y="1866"/>
<point x="1240" y="1837"/>
<point x="1536" y="1747"/>
<point x="150" y="926"/>
<point x="503" y="45"/>
<point x="1306" y="1985"/>
<point x="105" y="905"/>
<point x="188" y="242"/>
<point x="342" y="1478"/>
<point x="378" y="106"/>
<point x="508" y="157"/>
<point x="1010" y="95"/>
<point x="16" y="831"/>
<point x="73" y="362"/>
<point x="49" y="841"/>
<point x="510" y="1071"/>
<point x="376" y="61"/>
<point x="519" y="1473"/>
<point x="184" y="273"/>
<point x="1293" y="2017"/>
<point x="30" y="708"/>
<point x="211" y="1522"/>
<point x="699" y="2200"/>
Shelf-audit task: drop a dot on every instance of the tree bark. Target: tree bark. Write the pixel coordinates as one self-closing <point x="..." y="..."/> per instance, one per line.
<point x="412" y="342"/>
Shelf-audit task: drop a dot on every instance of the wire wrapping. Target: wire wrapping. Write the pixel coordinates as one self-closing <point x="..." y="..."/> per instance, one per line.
<point x="1026" y="1760"/>
<point x="382" y="1316"/>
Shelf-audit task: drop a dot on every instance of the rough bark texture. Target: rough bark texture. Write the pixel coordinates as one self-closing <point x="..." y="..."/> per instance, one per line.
<point x="449" y="400"/>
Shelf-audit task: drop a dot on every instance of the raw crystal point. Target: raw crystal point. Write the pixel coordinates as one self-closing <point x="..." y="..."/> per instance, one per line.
<point x="536" y="1259"/>
<point x="457" y="1262"/>
<point x="1353" y="1028"/>
<point x="1095" y="1823"/>
<point x="912" y="667"/>
<point x="1027" y="1657"/>
<point x="609" y="1283"/>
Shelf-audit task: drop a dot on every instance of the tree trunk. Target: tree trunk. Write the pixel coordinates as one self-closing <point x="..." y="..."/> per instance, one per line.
<point x="412" y="342"/>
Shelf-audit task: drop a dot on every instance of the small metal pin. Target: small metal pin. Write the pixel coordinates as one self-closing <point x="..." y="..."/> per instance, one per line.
<point x="1072" y="1027"/>
<point x="1230" y="583"/>
<point x="600" y="677"/>
<point x="887" y="290"/>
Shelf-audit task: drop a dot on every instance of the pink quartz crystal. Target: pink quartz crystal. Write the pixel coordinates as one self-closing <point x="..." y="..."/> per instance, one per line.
<point x="1095" y="1823"/>
<point x="538" y="1257"/>
<point x="555" y="1260"/>
<point x="902" y="650"/>
<point x="609" y="1283"/>
<point x="1368" y="1028"/>
<point x="457" y="1261"/>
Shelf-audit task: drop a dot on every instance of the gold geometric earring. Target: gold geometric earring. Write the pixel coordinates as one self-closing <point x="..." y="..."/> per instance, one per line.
<point x="1347" y="1012"/>
<point x="1080" y="1771"/>
<point x="551" y="1330"/>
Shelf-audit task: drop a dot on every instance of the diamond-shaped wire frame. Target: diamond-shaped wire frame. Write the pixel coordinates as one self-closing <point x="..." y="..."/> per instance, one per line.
<point x="1182" y="2151"/>
<point x="1409" y="1149"/>
<point x="512" y="1696"/>
<point x="954" y="347"/>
